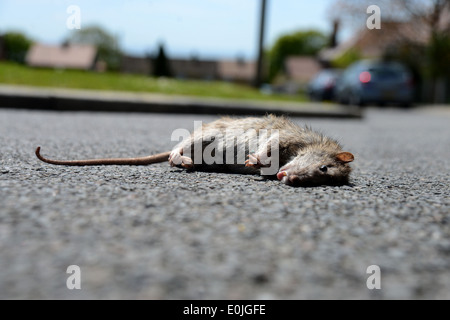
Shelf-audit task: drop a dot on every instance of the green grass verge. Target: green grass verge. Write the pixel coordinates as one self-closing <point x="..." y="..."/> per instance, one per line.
<point x="11" y="73"/>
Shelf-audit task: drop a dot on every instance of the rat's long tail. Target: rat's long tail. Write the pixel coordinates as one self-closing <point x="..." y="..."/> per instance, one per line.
<point x="161" y="157"/>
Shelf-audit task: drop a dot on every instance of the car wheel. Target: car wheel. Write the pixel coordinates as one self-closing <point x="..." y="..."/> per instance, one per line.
<point x="405" y="105"/>
<point x="341" y="100"/>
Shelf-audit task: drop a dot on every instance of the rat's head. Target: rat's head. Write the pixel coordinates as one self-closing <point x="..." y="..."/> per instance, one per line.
<point x="317" y="167"/>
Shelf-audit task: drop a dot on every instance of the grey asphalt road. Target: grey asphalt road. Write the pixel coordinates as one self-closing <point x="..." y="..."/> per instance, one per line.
<point x="156" y="232"/>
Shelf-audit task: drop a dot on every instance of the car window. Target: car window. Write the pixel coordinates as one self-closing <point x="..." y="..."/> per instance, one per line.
<point x="386" y="73"/>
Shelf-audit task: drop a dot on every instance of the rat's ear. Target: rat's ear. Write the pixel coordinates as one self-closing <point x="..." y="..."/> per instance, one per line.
<point x="345" y="157"/>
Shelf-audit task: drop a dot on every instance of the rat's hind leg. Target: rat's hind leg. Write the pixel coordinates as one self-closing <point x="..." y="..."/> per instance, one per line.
<point x="176" y="158"/>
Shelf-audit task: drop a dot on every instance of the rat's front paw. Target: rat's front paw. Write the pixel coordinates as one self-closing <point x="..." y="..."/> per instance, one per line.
<point x="253" y="161"/>
<point x="257" y="161"/>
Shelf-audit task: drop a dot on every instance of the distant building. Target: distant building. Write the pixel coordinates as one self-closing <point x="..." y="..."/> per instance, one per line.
<point x="136" y="65"/>
<point x="301" y="69"/>
<point x="82" y="57"/>
<point x="227" y="70"/>
<point x="193" y="69"/>
<point x="237" y="71"/>
<point x="373" y="43"/>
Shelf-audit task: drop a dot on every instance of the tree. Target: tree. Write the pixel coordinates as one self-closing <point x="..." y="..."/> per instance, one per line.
<point x="106" y="44"/>
<point x="161" y="66"/>
<point x="16" y="46"/>
<point x="299" y="43"/>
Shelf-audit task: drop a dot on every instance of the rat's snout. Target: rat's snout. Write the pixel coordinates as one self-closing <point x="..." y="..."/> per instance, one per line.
<point x="288" y="178"/>
<point x="281" y="175"/>
<point x="284" y="172"/>
<point x="293" y="176"/>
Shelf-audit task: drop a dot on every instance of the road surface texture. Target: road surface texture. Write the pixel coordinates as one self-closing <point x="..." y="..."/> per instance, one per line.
<point x="155" y="232"/>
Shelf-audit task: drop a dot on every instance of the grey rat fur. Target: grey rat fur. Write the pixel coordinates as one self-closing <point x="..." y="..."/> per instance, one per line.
<point x="305" y="157"/>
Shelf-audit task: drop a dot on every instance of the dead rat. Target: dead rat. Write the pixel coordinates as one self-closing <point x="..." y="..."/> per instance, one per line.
<point x="272" y="145"/>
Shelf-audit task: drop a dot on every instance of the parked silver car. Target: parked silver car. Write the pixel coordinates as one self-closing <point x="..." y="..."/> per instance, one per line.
<point x="375" y="82"/>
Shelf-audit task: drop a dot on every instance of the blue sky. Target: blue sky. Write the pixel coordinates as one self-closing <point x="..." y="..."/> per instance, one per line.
<point x="206" y="28"/>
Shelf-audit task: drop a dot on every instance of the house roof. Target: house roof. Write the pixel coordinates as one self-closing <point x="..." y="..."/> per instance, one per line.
<point x="372" y="43"/>
<point x="301" y="68"/>
<point x="69" y="57"/>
